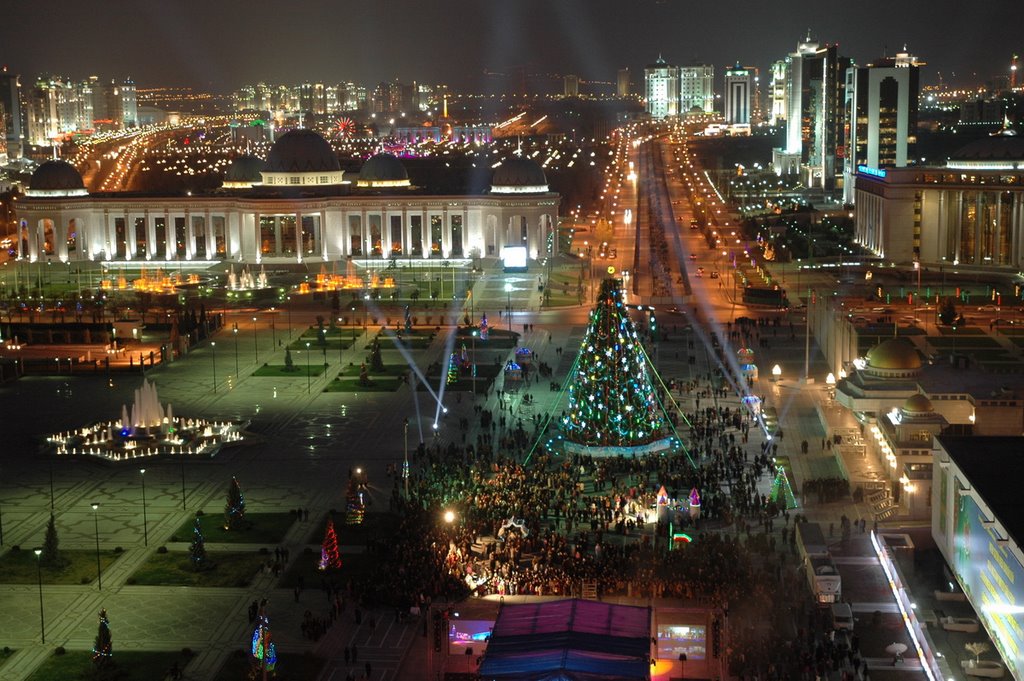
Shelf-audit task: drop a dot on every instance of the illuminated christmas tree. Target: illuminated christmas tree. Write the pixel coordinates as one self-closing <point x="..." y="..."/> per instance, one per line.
<point x="234" y="510"/>
<point x="329" y="558"/>
<point x="453" y="369"/>
<point x="612" y="402"/>
<point x="102" y="648"/>
<point x="197" y="549"/>
<point x="264" y="652"/>
<point x="782" y="492"/>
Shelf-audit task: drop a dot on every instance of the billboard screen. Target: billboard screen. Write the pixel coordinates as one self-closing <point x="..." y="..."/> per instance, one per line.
<point x="674" y="639"/>
<point x="513" y="257"/>
<point x="469" y="633"/>
<point x="993" y="579"/>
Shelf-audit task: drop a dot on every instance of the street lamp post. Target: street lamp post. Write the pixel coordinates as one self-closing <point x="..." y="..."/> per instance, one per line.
<point x="405" y="462"/>
<point x="308" y="388"/>
<point x="508" y="304"/>
<point x="145" y="520"/>
<point x="235" y="332"/>
<point x="39" y="575"/>
<point x="213" y="347"/>
<point x="273" y="328"/>
<point x="96" y="522"/>
<point x="255" y="341"/>
<point x="183" y="484"/>
<point x="473" y="368"/>
<point x="289" y="318"/>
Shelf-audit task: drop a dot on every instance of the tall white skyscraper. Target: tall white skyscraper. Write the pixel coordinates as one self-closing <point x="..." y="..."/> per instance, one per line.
<point x="881" y="107"/>
<point x="661" y="81"/>
<point x="738" y="94"/>
<point x="697" y="88"/>
<point x="777" y="94"/>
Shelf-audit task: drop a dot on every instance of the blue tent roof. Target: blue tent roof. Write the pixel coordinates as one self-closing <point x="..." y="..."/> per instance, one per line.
<point x="569" y="640"/>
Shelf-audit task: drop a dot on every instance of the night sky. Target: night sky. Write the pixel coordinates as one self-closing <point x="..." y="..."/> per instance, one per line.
<point x="221" y="44"/>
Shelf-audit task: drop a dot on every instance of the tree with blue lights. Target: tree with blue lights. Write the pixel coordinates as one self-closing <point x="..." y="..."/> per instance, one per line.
<point x="197" y="549"/>
<point x="234" y="510"/>
<point x="612" y="402"/>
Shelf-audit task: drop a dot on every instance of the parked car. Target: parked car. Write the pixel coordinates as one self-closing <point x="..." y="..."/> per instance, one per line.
<point x="842" y="616"/>
<point x="990" y="669"/>
<point x="968" y="625"/>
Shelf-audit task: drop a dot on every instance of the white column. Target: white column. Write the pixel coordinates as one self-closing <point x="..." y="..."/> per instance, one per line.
<point x="300" y="244"/>
<point x="446" y="233"/>
<point x="426" y="238"/>
<point x="210" y="240"/>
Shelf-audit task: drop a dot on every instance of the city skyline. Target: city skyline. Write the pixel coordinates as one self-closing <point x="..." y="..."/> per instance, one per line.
<point x="213" y="46"/>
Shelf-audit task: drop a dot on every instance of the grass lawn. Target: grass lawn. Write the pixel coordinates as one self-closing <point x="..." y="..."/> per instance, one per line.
<point x="963" y="342"/>
<point x="173" y="569"/>
<point x="130" y="665"/>
<point x="961" y="331"/>
<point x="501" y="339"/>
<point x="353" y="566"/>
<point x="333" y="345"/>
<point x="299" y="369"/>
<point x="389" y="370"/>
<point x="379" y="384"/>
<point x="19" y="567"/>
<point x="377" y="525"/>
<point x="290" y="667"/>
<point x="411" y="341"/>
<point x="266" y="528"/>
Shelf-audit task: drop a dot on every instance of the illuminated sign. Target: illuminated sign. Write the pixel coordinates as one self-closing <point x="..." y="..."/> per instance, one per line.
<point x="868" y="170"/>
<point x="513" y="257"/>
<point x="992" y="577"/>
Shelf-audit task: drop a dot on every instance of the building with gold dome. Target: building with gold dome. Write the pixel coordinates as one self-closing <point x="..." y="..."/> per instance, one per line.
<point x="297" y="207"/>
<point x="903" y="441"/>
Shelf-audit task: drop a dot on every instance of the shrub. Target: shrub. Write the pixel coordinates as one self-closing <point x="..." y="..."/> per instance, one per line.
<point x="59" y="650"/>
<point x="131" y="581"/>
<point x="83" y="580"/>
<point x="118" y="549"/>
<point x="162" y="549"/>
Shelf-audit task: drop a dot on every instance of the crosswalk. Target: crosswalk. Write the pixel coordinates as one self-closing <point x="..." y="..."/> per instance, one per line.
<point x="380" y="641"/>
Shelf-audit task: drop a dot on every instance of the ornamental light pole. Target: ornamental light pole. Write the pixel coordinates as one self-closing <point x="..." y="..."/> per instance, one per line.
<point x="145" y="521"/>
<point x="235" y="332"/>
<point x="39" y="575"/>
<point x="96" y="521"/>
<point x="213" y="347"/>
<point x="308" y="389"/>
<point x="508" y="304"/>
<point x="405" y="462"/>
<point x="273" y="328"/>
<point x="255" y="341"/>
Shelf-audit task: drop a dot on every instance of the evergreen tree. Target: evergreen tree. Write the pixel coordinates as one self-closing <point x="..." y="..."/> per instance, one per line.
<point x="102" y="648"/>
<point x="376" y="363"/>
<point x="51" y="553"/>
<point x="234" y="510"/>
<point x="329" y="557"/>
<point x="197" y="549"/>
<point x="782" y="492"/>
<point x="612" y="402"/>
<point x="264" y="652"/>
<point x="289" y="363"/>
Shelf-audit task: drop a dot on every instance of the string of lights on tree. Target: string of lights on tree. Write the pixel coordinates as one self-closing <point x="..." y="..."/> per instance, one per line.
<point x="264" y="652"/>
<point x="612" y="402"/>
<point x="330" y="559"/>
<point x="782" y="492"/>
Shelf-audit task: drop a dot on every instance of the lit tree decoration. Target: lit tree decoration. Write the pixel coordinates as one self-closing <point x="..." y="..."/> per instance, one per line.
<point x="329" y="558"/>
<point x="102" y="648"/>
<point x="234" y="510"/>
<point x="453" y="368"/>
<point x="264" y="652"/>
<point x="612" y="402"/>
<point x="782" y="492"/>
<point x="197" y="549"/>
<point x="483" y="327"/>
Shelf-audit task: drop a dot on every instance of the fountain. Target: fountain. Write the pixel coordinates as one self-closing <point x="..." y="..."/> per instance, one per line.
<point x="147" y="430"/>
<point x="245" y="281"/>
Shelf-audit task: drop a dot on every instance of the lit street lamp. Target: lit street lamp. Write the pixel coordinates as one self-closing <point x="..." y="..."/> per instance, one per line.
<point x="39" y="574"/>
<point x="145" y="521"/>
<point x="255" y="341"/>
<point x="405" y="462"/>
<point x="273" y="328"/>
<point x="308" y="389"/>
<point x="235" y="331"/>
<point x="96" y="521"/>
<point x="776" y="372"/>
<point x="508" y="304"/>
<point x="213" y="348"/>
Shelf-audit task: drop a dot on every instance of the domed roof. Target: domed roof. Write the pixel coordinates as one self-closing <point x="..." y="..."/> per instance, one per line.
<point x="999" y="147"/>
<point x="918" y="404"/>
<point x="894" y="354"/>
<point x="245" y="169"/>
<point x="383" y="167"/>
<point x="302" y="151"/>
<point x="54" y="176"/>
<point x="519" y="174"/>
